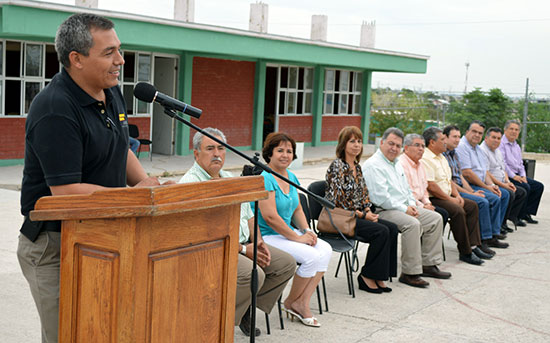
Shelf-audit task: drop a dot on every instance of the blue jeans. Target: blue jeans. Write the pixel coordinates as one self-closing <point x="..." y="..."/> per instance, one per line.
<point x="498" y="206"/>
<point x="485" y="211"/>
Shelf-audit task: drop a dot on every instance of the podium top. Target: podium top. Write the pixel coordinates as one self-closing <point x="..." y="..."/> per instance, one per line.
<point x="150" y="201"/>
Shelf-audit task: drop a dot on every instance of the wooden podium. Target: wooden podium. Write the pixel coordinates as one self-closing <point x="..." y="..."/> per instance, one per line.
<point x="155" y="264"/>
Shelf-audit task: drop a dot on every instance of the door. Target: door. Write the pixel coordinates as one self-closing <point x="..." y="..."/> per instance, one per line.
<point x="163" y="125"/>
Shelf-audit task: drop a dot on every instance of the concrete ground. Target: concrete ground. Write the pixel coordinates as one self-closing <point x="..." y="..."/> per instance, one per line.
<point x="506" y="299"/>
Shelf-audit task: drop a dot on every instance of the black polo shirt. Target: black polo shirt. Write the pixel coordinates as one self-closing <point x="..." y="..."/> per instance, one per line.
<point x="71" y="137"/>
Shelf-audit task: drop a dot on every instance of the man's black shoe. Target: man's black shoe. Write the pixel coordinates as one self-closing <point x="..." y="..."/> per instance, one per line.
<point x="530" y="219"/>
<point x="500" y="236"/>
<point x="506" y="229"/>
<point x="520" y="223"/>
<point x="471" y="259"/>
<point x="245" y="324"/>
<point x="479" y="253"/>
<point x="483" y="247"/>
<point x="495" y="243"/>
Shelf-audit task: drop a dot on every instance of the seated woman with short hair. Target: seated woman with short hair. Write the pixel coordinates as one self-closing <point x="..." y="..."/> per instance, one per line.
<point x="275" y="216"/>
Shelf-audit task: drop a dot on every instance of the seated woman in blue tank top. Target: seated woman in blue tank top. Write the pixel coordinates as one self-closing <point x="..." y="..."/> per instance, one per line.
<point x="275" y="216"/>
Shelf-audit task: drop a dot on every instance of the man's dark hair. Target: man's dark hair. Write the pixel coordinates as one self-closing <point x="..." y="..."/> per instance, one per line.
<point x="431" y="134"/>
<point x="74" y="34"/>
<point x="493" y="129"/>
<point x="447" y="130"/>
<point x="395" y="131"/>
<point x="478" y="123"/>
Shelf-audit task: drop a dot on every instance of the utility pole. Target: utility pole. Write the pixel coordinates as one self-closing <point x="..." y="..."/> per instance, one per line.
<point x="466" y="81"/>
<point x="525" y="109"/>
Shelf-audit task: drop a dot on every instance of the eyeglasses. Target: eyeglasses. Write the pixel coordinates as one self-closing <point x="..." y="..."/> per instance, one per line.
<point x="419" y="145"/>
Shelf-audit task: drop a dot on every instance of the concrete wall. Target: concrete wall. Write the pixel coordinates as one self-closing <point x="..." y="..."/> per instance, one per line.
<point x="224" y="90"/>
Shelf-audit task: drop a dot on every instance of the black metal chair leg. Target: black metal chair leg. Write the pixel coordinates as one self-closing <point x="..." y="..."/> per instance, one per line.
<point x="319" y="300"/>
<point x="267" y="324"/>
<point x="350" y="271"/>
<point x="325" y="292"/>
<point x="280" y="314"/>
<point x="347" y="265"/>
<point x="338" y="266"/>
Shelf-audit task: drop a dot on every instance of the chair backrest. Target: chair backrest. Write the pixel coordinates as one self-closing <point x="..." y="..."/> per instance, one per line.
<point x="305" y="208"/>
<point x="133" y="130"/>
<point x="318" y="188"/>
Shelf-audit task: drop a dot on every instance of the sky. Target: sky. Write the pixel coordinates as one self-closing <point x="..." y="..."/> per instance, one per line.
<point x="504" y="41"/>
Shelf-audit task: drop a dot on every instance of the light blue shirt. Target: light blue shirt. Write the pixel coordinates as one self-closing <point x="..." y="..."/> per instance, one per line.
<point x="472" y="158"/>
<point x="387" y="183"/>
<point x="286" y="203"/>
<point x="197" y="174"/>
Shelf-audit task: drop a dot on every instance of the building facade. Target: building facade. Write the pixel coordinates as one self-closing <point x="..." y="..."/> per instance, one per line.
<point x="247" y="84"/>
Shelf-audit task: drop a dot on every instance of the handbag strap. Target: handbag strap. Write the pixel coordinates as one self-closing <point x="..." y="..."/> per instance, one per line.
<point x="354" y="258"/>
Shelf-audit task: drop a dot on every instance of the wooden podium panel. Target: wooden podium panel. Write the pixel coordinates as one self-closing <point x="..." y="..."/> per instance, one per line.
<point x="163" y="270"/>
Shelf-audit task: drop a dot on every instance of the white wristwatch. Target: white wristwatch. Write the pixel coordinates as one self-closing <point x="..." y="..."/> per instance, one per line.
<point x="243" y="250"/>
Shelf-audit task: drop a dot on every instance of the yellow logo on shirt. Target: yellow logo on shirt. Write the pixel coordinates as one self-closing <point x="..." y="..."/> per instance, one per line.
<point x="121" y="117"/>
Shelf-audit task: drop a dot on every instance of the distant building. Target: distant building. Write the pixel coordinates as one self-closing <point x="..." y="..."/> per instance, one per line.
<point x="247" y="83"/>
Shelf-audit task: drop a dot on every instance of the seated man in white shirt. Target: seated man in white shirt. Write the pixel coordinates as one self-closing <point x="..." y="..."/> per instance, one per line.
<point x="421" y="229"/>
<point x="276" y="266"/>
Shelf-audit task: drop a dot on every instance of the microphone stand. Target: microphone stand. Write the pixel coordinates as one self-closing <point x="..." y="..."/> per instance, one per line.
<point x="255" y="161"/>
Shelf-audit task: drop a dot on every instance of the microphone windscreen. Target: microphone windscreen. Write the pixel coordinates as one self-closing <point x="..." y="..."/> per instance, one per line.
<point x="145" y="91"/>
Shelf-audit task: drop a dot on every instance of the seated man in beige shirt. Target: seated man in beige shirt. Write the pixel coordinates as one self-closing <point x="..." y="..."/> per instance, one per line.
<point x="463" y="212"/>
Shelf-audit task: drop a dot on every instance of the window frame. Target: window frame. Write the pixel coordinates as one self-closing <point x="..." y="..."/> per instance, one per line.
<point x="354" y="92"/>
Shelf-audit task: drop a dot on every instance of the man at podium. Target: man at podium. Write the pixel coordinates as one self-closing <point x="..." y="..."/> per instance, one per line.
<point x="76" y="142"/>
<point x="276" y="266"/>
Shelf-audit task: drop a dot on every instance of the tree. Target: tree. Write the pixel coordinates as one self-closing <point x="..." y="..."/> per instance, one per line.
<point x="493" y="109"/>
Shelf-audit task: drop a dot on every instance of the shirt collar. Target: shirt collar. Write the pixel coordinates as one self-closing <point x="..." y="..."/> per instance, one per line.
<point x="203" y="174"/>
<point x="411" y="162"/>
<point x="83" y="98"/>
<point x="379" y="152"/>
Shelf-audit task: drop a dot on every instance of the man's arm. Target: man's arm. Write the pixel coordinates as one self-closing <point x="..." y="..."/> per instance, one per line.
<point x="436" y="191"/>
<point x="136" y="175"/>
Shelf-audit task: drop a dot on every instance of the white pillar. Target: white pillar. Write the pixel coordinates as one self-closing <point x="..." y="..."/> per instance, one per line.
<point x="319" y="24"/>
<point x="184" y="10"/>
<point x="86" y="3"/>
<point x="368" y="34"/>
<point x="258" y="17"/>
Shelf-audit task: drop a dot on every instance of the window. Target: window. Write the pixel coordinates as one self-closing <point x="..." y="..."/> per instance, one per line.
<point x="342" y="94"/>
<point x="295" y="90"/>
<point x="29" y="67"/>
<point x="137" y="68"/>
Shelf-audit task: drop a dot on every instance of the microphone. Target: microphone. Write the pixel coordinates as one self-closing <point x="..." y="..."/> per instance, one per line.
<point x="148" y="93"/>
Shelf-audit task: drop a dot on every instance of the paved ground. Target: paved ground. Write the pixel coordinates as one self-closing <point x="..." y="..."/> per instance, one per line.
<point x="506" y="299"/>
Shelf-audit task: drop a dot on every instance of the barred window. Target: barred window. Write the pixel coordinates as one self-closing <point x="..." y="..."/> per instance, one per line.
<point x="342" y="92"/>
<point x="137" y="68"/>
<point x="295" y="90"/>
<point x="25" y="69"/>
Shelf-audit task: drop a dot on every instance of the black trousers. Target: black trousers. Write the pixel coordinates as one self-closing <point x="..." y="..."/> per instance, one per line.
<point x="534" y="193"/>
<point x="515" y="204"/>
<point x="381" y="261"/>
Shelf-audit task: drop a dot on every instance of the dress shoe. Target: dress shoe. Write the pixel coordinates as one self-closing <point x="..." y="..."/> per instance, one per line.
<point x="506" y="229"/>
<point x="413" y="280"/>
<point x="245" y="324"/>
<point x="499" y="236"/>
<point x="479" y="253"/>
<point x="364" y="287"/>
<point x="530" y="219"/>
<point x="483" y="247"/>
<point x="495" y="243"/>
<point x="471" y="259"/>
<point x="520" y="223"/>
<point x="433" y="271"/>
